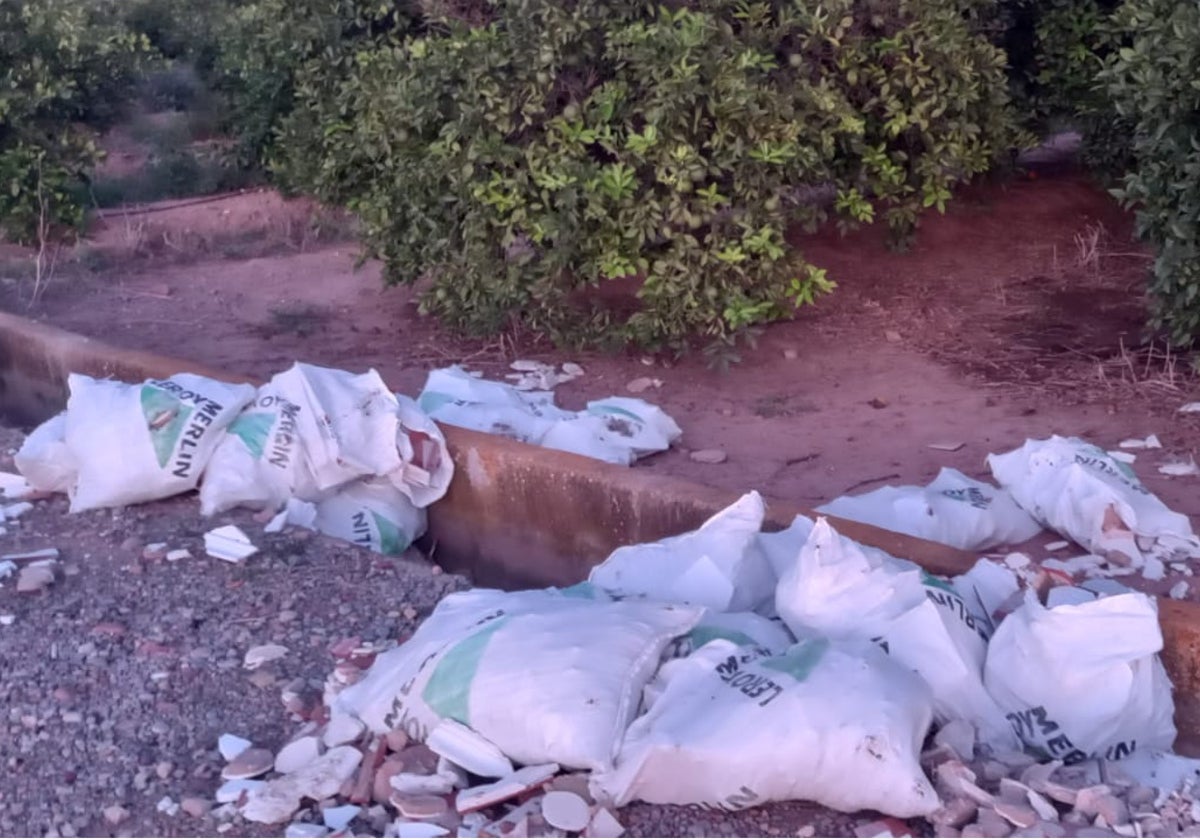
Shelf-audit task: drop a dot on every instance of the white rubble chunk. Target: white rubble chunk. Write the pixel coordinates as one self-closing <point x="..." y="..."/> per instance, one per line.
<point x="342" y="729"/>
<point x="469" y="750"/>
<point x="565" y="810"/>
<point x="231" y="746"/>
<point x="260" y="655"/>
<point x="299" y="753"/>
<point x="13" y="486"/>
<point x="527" y="778"/>
<point x="229" y="543"/>
<point x="280" y="798"/>
<point x="339" y="817"/>
<point x="232" y="790"/>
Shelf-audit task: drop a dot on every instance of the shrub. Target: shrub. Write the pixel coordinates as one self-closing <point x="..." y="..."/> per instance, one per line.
<point x="534" y="158"/>
<point x="1056" y="48"/>
<point x="1154" y="81"/>
<point x="62" y="63"/>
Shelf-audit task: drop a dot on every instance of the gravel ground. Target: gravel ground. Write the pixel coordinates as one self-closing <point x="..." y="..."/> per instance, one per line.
<point x="120" y="676"/>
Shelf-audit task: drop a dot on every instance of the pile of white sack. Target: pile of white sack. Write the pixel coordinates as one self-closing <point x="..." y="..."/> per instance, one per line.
<point x="729" y="667"/>
<point x="321" y="448"/>
<point x="617" y="429"/>
<point x="1065" y="484"/>
<point x="324" y="448"/>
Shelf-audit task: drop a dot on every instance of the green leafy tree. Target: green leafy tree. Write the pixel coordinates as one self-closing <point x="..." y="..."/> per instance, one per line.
<point x="63" y="63"/>
<point x="524" y="157"/>
<point x="1154" y="81"/>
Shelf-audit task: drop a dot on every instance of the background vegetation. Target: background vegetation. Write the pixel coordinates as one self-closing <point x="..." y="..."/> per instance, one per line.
<point x="605" y="172"/>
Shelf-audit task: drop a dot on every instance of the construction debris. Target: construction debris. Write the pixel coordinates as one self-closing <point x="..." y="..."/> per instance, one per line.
<point x="229" y="543"/>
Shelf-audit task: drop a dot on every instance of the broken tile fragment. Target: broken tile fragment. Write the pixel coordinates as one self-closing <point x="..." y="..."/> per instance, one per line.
<point x="248" y="764"/>
<point x="510" y="787"/>
<point x="229" y="543"/>
<point x="566" y="810"/>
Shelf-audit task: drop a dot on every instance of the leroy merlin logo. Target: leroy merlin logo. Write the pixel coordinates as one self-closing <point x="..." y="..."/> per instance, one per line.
<point x="166" y="418"/>
<point x="175" y="427"/>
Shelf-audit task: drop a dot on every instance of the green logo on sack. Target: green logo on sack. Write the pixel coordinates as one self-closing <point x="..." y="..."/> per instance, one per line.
<point x="448" y="691"/>
<point x="798" y="662"/>
<point x="392" y="540"/>
<point x="166" y="418"/>
<point x="252" y="429"/>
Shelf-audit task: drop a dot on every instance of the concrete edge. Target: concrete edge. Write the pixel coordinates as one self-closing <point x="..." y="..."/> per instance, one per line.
<point x="518" y="515"/>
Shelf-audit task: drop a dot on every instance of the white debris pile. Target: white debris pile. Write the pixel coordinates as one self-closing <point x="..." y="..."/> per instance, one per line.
<point x="1085" y="494"/>
<point x="314" y="447"/>
<point x="1006" y="701"/>
<point x="618" y="430"/>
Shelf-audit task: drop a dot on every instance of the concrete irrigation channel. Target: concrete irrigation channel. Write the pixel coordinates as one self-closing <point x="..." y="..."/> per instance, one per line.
<point x="518" y="515"/>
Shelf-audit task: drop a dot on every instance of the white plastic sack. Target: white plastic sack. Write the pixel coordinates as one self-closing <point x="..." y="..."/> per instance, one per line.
<point x="261" y="462"/>
<point x="1082" y="681"/>
<point x="426" y="468"/>
<point x="718" y="566"/>
<point x="372" y="514"/>
<point x="1083" y="493"/>
<point x="347" y="422"/>
<point x="954" y="509"/>
<point x="140" y="442"/>
<point x="546" y="676"/>
<point x="453" y="396"/>
<point x="781" y="547"/>
<point x="986" y="587"/>
<point x="836" y="723"/>
<point x="45" y="460"/>
<point x="845" y="590"/>
<point x="618" y="430"/>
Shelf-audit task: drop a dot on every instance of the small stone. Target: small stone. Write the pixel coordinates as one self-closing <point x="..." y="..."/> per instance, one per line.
<point x="397" y="740"/>
<point x="642" y="383"/>
<point x="72" y="717"/>
<point x="194" y="806"/>
<point x="167" y="806"/>
<point x="790" y="353"/>
<point x="178" y="554"/>
<point x="892" y="336"/>
<point x="958" y="779"/>
<point x="955" y="813"/>
<point x="260" y="655"/>
<point x="1087" y="800"/>
<point x="992" y="824"/>
<point x="154" y="551"/>
<point x="164" y="769"/>
<point x="304" y="830"/>
<point x="709" y="456"/>
<point x="566" y="810"/>
<point x="420" y="807"/>
<point x="115" y="814"/>
<point x="34" y="578"/>
<point x="382" y="787"/>
<point x="250" y="763"/>
<point x="262" y="679"/>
